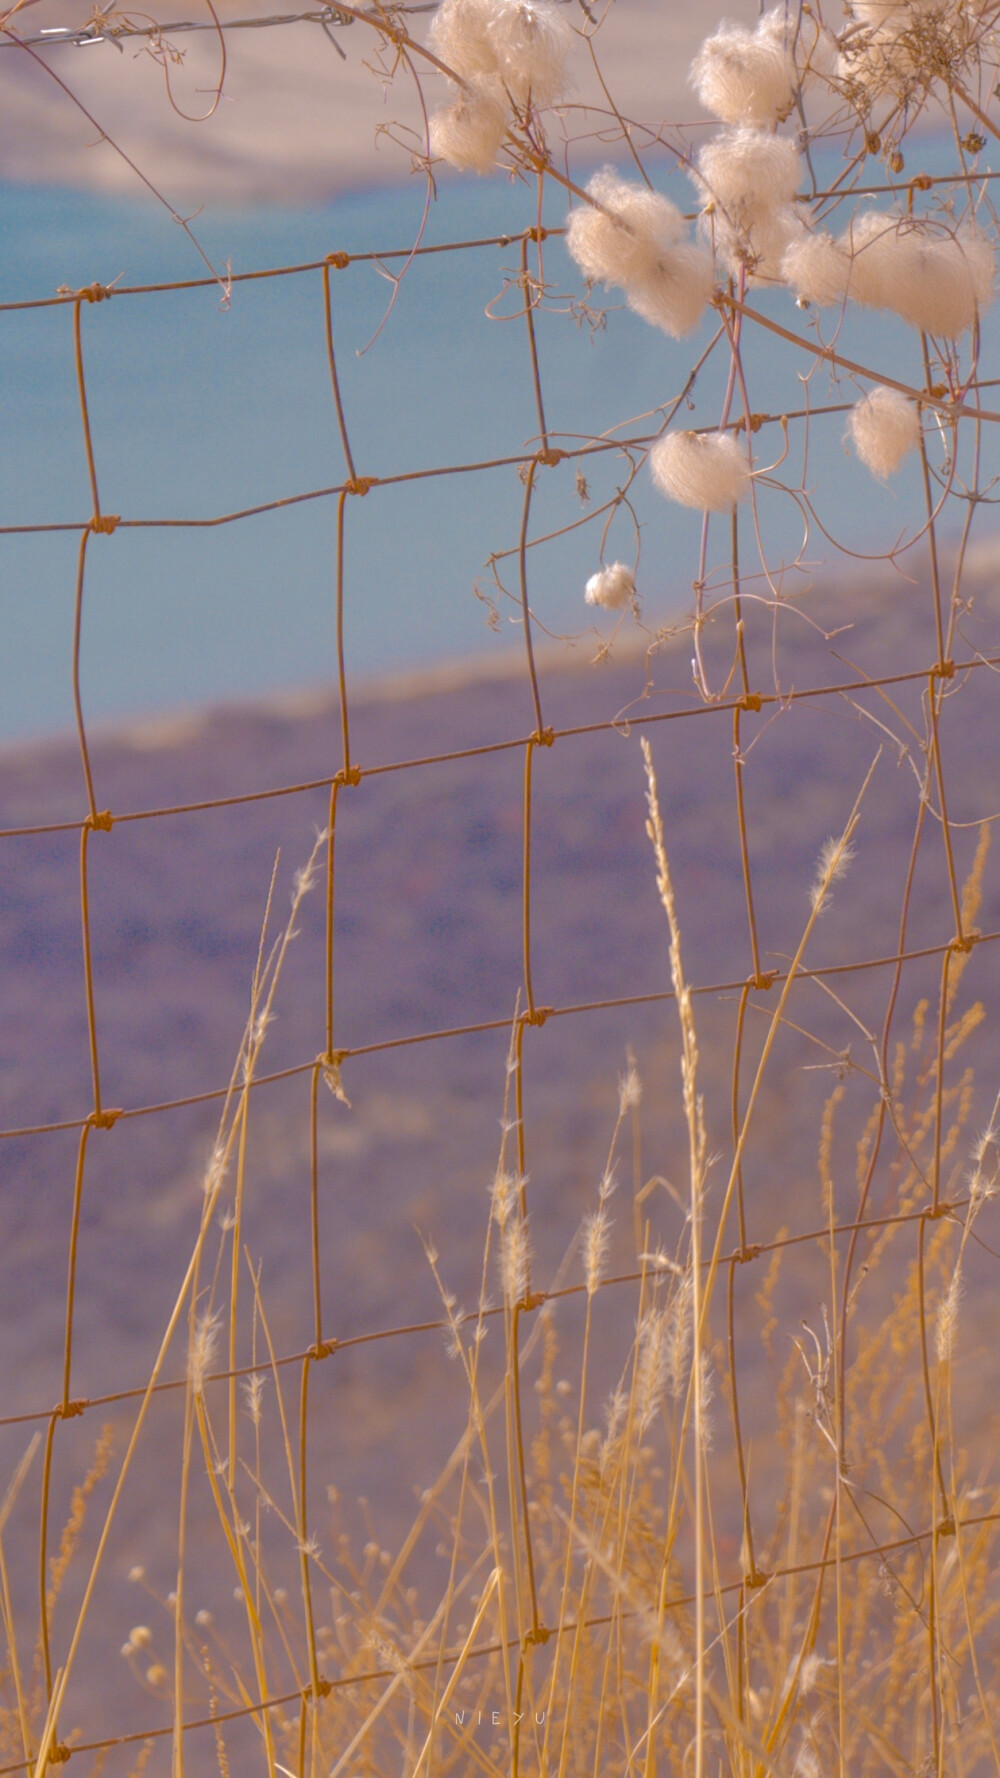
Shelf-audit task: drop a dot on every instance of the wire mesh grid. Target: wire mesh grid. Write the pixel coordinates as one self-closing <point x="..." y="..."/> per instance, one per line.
<point x="936" y="1199"/>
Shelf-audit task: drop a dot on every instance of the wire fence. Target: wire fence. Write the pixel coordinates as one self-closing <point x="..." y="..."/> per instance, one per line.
<point x="740" y="685"/>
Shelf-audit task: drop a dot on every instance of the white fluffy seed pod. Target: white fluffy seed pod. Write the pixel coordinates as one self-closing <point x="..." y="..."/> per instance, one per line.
<point x="934" y="279"/>
<point x="525" y="43"/>
<point x="760" y="244"/>
<point x="706" y="470"/>
<point x="675" y="297"/>
<point x="636" y="242"/>
<point x="612" y="587"/>
<point x="747" y="173"/>
<point x="885" y="427"/>
<point x="746" y="76"/>
<point x="625" y="241"/>
<point x="468" y="133"/>
<point x="817" y="268"/>
<point x="460" y="35"/>
<point x="531" y="41"/>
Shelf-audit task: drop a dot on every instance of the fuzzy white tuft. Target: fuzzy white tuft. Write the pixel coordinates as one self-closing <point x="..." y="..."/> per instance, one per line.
<point x="523" y="43"/>
<point x="468" y="133"/>
<point x="885" y="427"/>
<point x="612" y="587"/>
<point x="746" y="172"/>
<point x="625" y="240"/>
<point x="935" y="279"/>
<point x="817" y="268"/>
<point x="746" y="76"/>
<point x="675" y="298"/>
<point x="706" y="470"/>
<point x="636" y="241"/>
<point x="760" y="244"/>
<point x="531" y="41"/>
<point x="460" y="35"/>
<point x="748" y="179"/>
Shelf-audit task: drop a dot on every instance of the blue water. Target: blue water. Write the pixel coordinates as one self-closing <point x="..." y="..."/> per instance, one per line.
<point x="198" y="409"/>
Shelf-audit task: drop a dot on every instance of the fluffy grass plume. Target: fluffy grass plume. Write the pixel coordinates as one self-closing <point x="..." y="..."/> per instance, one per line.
<point x="707" y="470"/>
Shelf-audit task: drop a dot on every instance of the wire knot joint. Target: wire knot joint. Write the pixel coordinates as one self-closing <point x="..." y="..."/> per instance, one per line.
<point x="339" y="261"/>
<point x="755" y="1579"/>
<point x="544" y="737"/>
<point x="100" y="821"/>
<point x="105" y="522"/>
<point x="550" y="456"/>
<point x="360" y="484"/>
<point x="103" y="1120"/>
<point x="751" y="700"/>
<point x="70" y="1410"/>
<point x="348" y="775"/>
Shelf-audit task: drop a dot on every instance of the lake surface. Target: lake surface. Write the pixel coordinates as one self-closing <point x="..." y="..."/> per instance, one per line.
<point x="199" y="409"/>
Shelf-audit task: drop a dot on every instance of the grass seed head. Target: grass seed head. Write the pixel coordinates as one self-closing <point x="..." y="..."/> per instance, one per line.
<point x="834" y="858"/>
<point x="202" y="1349"/>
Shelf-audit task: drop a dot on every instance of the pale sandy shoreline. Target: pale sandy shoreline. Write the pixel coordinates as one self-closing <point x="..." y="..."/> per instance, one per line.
<point x="296" y="124"/>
